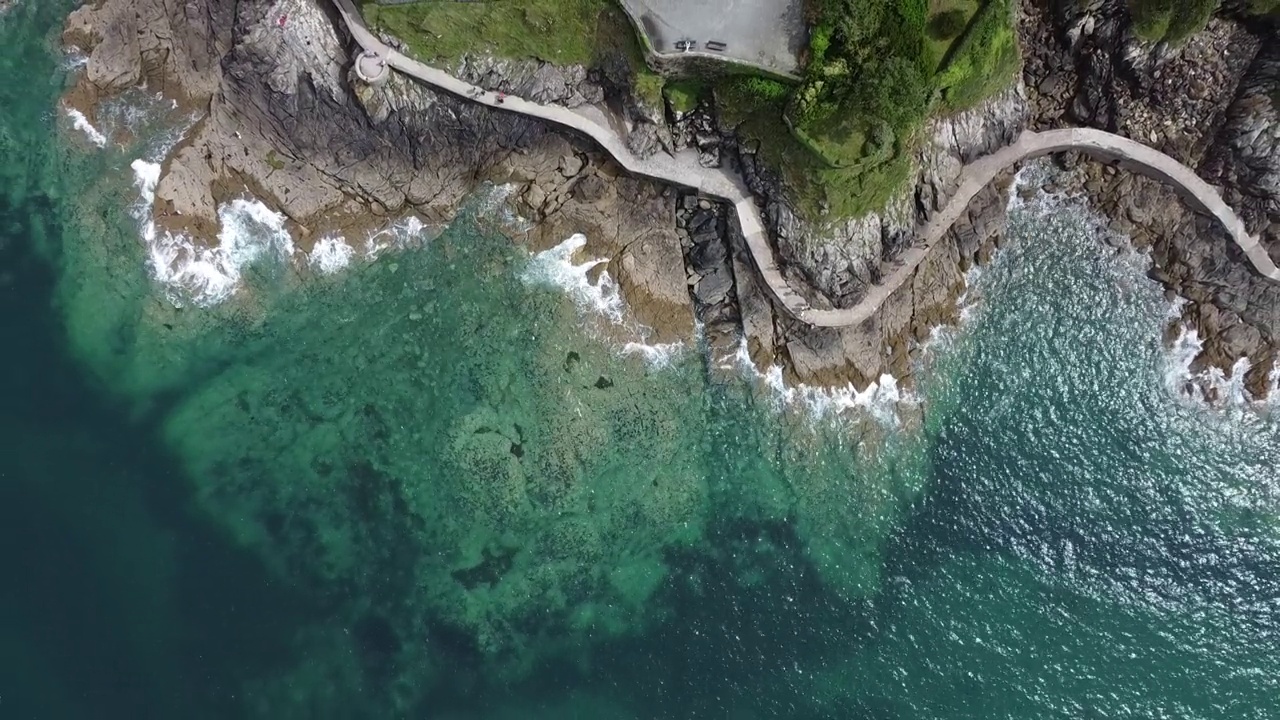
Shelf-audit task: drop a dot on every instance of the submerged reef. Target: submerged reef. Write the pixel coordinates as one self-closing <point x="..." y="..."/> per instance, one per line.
<point x="445" y="456"/>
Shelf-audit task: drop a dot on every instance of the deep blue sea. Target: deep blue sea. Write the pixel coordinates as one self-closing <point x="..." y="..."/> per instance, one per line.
<point x="423" y="483"/>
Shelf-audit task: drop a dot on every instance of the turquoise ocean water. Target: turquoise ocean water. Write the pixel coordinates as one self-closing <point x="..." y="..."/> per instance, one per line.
<point x="423" y="486"/>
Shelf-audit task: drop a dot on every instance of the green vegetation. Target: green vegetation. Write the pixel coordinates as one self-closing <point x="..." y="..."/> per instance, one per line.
<point x="948" y="25"/>
<point x="1170" y="21"/>
<point x="1265" y="8"/>
<point x="877" y="69"/>
<point x="565" y="32"/>
<point x="843" y="140"/>
<point x="647" y="86"/>
<point x="683" y="95"/>
<point x="560" y="31"/>
<point x="983" y="60"/>
<point x="818" y="190"/>
<point x="948" y="19"/>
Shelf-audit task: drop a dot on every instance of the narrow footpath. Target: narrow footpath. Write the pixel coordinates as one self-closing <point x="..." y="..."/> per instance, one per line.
<point x="683" y="169"/>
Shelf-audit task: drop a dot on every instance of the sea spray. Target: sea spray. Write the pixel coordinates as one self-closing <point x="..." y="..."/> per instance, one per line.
<point x="330" y="254"/>
<point x="248" y="232"/>
<point x="603" y="299"/>
<point x="1211" y="386"/>
<point x="400" y="235"/>
<point x="201" y="276"/>
<point x="881" y="400"/>
<point x="494" y="201"/>
<point x="81" y="123"/>
<point x="657" y="355"/>
<point x="555" y="268"/>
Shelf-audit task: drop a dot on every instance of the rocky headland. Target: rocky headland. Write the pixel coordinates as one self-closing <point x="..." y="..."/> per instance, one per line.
<point x="1213" y="104"/>
<point x="284" y="119"/>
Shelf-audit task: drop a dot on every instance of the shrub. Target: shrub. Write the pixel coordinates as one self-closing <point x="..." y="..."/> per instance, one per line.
<point x="947" y="25"/>
<point x="1264" y="8"/>
<point x="683" y="95"/>
<point x="1170" y="21"/>
<point x="819" y="42"/>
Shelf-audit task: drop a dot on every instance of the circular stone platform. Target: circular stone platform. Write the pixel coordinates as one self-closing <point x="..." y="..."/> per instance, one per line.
<point x="371" y="68"/>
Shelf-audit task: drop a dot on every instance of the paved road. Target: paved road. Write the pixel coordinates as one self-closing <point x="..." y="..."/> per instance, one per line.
<point x="766" y="33"/>
<point x="683" y="169"/>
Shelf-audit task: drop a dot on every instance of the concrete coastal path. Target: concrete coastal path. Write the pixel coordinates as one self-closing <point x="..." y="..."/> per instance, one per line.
<point x="1098" y="144"/>
<point x="683" y="169"/>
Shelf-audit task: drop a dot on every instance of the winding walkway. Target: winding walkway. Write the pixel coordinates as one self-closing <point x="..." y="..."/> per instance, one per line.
<point x="683" y="169"/>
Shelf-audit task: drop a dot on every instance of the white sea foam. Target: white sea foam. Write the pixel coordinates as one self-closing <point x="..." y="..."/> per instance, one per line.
<point x="397" y="236"/>
<point x="881" y="400"/>
<point x="1212" y="385"/>
<point x="81" y="123"/>
<point x="657" y="355"/>
<point x="603" y="298"/>
<point x="555" y="268"/>
<point x="330" y="255"/>
<point x="249" y="231"/>
<point x="74" y="59"/>
<point x="146" y="175"/>
<point x="494" y="202"/>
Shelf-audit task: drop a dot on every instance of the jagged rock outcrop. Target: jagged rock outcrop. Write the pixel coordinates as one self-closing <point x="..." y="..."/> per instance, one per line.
<point x="839" y="261"/>
<point x="283" y="119"/>
<point x="568" y="85"/>
<point x="1246" y="154"/>
<point x="1213" y="104"/>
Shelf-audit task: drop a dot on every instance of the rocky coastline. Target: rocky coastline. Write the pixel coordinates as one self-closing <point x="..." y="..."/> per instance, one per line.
<point x="284" y="120"/>
<point x="1213" y="104"/>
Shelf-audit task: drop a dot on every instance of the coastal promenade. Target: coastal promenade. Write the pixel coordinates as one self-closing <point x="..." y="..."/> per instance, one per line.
<point x="683" y="169"/>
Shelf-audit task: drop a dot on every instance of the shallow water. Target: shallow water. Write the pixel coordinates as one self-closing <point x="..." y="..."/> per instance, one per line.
<point x="419" y="483"/>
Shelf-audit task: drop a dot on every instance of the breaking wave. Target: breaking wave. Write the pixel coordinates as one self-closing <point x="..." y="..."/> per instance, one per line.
<point x="330" y="255"/>
<point x="249" y="232"/>
<point x="602" y="298"/>
<point x="81" y="123"/>
<point x="881" y="400"/>
<point x="399" y="235"/>
<point x="556" y="268"/>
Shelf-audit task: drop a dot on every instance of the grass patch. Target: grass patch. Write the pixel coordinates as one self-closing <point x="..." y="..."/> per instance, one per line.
<point x="948" y="19"/>
<point x="647" y="86"/>
<point x="842" y="141"/>
<point x="878" y="69"/>
<point x="1265" y="8"/>
<point x="1170" y="21"/>
<point x="565" y="32"/>
<point x="592" y="33"/>
<point x="983" y="60"/>
<point x="683" y="95"/>
<point x="818" y="190"/>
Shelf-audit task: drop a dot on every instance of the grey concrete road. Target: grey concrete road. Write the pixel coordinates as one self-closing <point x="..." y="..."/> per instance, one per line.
<point x="768" y="33"/>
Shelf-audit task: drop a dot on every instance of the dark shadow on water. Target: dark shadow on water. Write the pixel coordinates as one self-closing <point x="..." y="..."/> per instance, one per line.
<point x="117" y="600"/>
<point x="747" y="618"/>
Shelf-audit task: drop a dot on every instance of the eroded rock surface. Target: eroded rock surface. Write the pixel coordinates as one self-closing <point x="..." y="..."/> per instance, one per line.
<point x="284" y="119"/>
<point x="1213" y="104"/>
